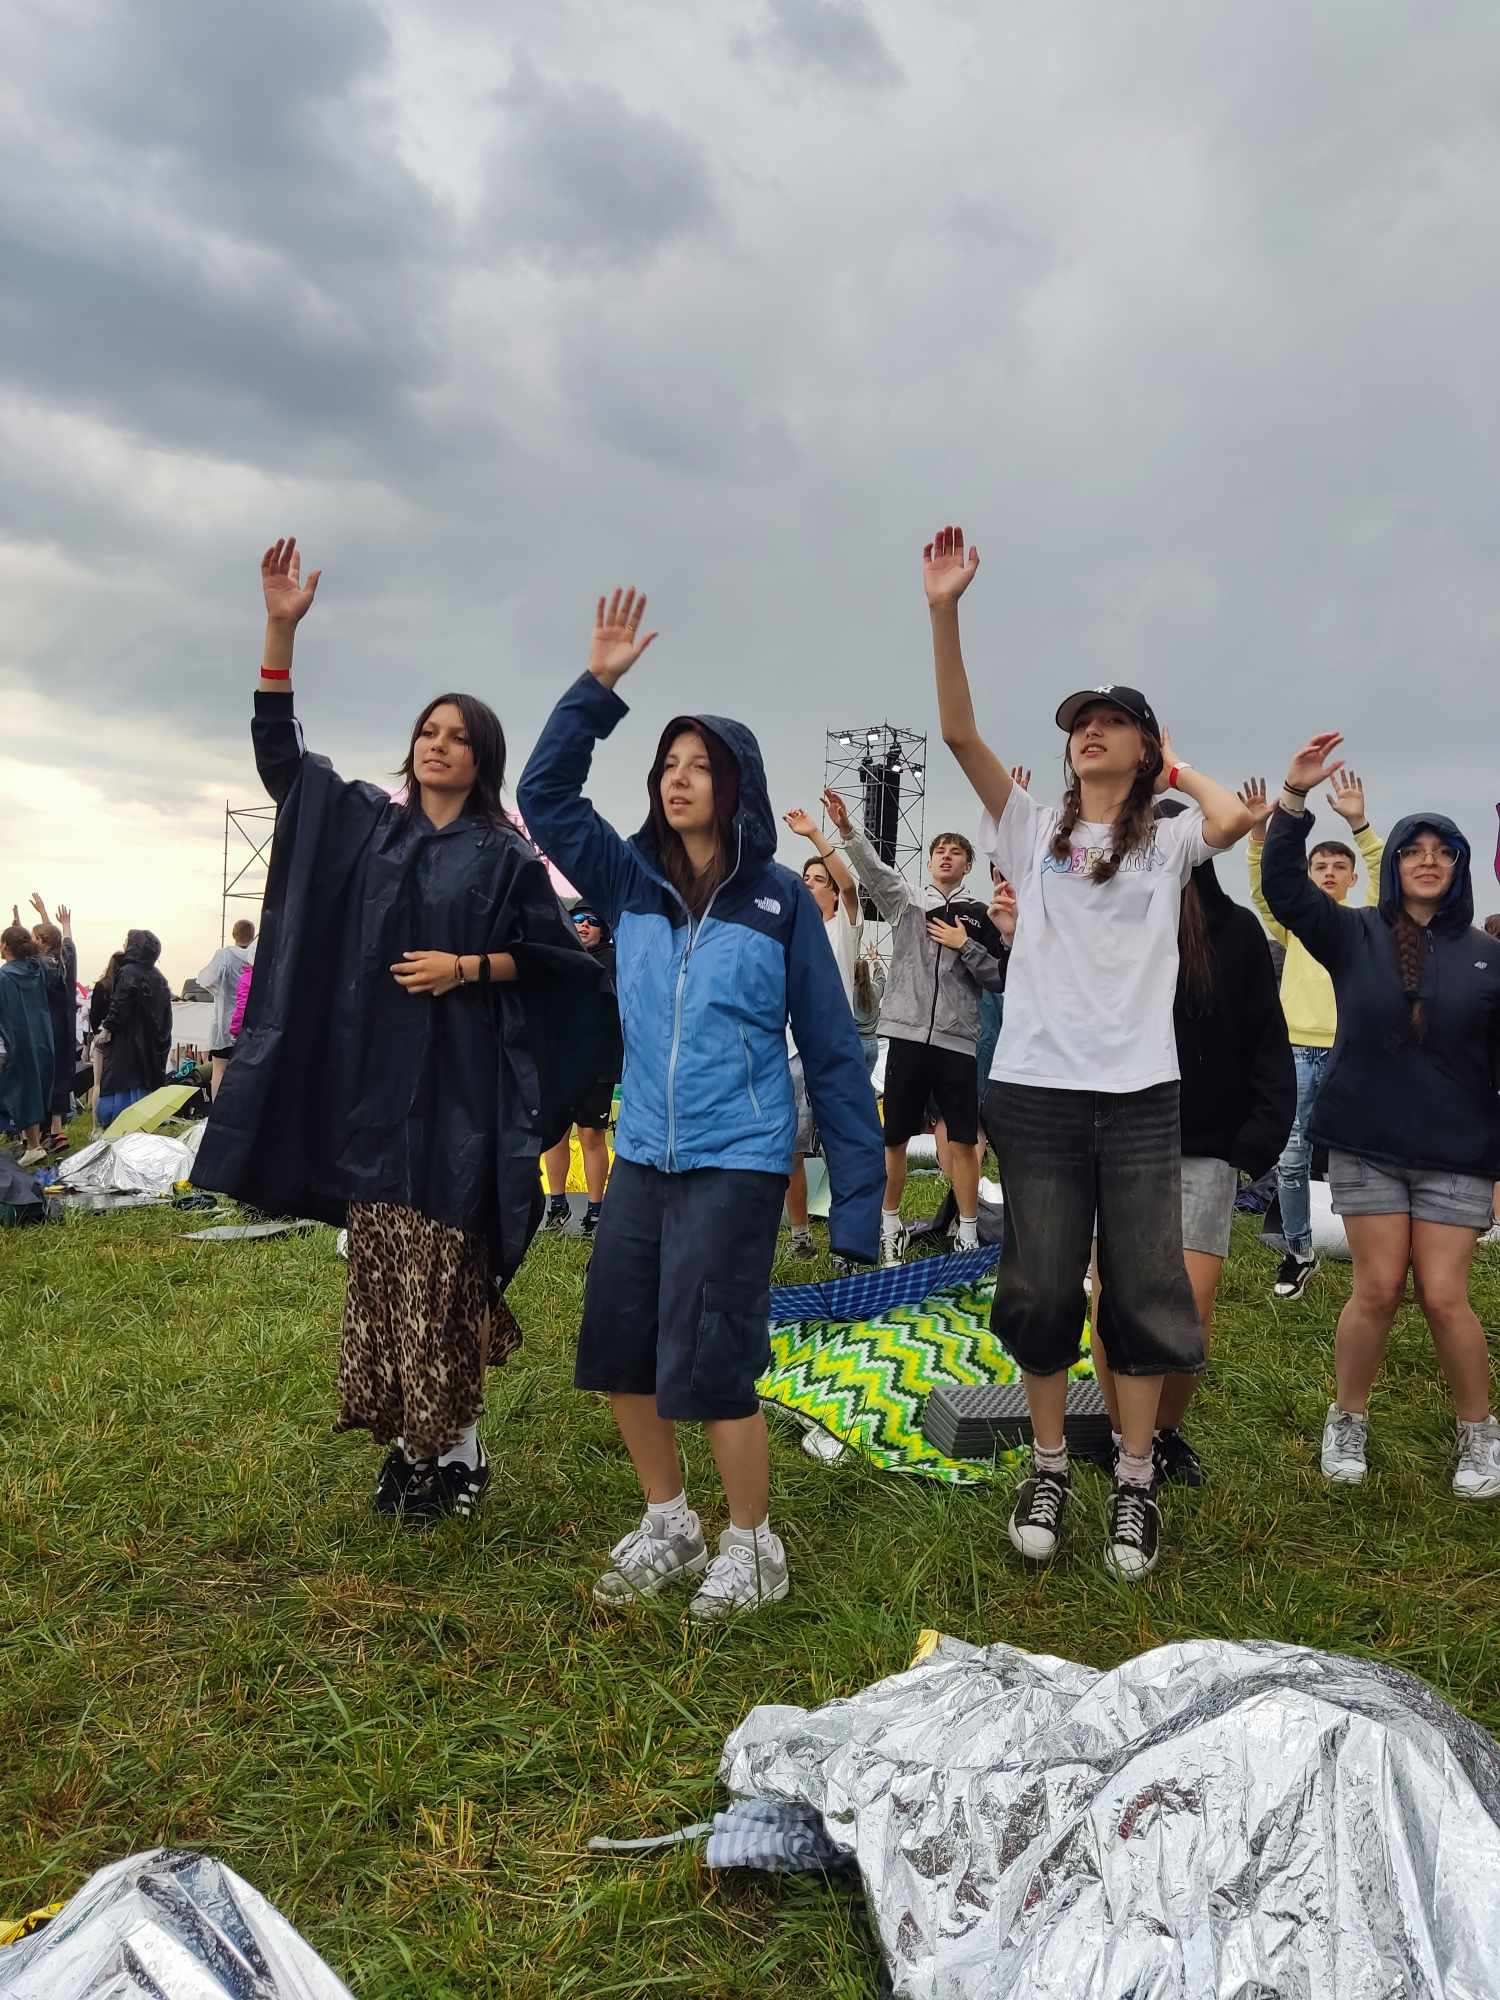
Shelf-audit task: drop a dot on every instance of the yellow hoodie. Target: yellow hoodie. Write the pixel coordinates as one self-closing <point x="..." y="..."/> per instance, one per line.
<point x="1306" y="990"/>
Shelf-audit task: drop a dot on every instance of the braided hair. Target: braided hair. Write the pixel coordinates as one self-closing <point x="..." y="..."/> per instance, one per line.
<point x="1411" y="948"/>
<point x="1134" y="828"/>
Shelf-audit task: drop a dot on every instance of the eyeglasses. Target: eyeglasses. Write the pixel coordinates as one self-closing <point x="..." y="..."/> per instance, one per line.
<point x="1447" y="855"/>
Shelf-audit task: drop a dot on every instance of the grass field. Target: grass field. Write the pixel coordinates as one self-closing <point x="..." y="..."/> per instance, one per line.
<point x="207" y="1638"/>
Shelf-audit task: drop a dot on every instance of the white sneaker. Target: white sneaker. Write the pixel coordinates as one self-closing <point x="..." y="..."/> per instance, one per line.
<point x="33" y="1158"/>
<point x="892" y="1244"/>
<point x="1478" y="1474"/>
<point x="741" y="1577"/>
<point x="650" y="1558"/>
<point x="1344" y="1435"/>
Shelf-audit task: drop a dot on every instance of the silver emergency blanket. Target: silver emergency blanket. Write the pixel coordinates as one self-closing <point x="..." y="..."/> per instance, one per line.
<point x="166" y="1926"/>
<point x="138" y="1163"/>
<point x="1210" y="1821"/>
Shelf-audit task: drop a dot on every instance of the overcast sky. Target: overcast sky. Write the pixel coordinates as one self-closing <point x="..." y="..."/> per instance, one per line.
<point x="1182" y="310"/>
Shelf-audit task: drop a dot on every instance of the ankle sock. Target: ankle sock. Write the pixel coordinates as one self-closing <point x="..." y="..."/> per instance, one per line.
<point x="465" y="1449"/>
<point x="1117" y="1441"/>
<point x="675" y="1515"/>
<point x="1049" y="1458"/>
<point x="766" y="1543"/>
<point x="968" y="1232"/>
<point x="890" y="1222"/>
<point x="1133" y="1471"/>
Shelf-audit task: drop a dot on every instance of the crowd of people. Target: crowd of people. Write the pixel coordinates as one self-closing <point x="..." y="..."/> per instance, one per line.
<point x="427" y="1025"/>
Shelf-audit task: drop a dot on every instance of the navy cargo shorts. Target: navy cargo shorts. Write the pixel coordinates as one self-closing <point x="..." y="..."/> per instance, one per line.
<point x="678" y="1303"/>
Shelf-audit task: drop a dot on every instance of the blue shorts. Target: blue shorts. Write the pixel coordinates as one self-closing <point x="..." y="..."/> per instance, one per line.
<point x="677" y="1303"/>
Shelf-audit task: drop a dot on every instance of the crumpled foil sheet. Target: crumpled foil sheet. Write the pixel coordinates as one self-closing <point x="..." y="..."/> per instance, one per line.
<point x="172" y="1927"/>
<point x="140" y="1163"/>
<point x="1209" y="1821"/>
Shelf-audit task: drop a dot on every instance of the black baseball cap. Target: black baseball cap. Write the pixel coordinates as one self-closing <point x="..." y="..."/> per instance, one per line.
<point x="1131" y="700"/>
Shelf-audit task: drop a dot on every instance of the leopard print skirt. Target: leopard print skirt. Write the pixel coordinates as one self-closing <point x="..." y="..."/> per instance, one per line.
<point x="422" y="1319"/>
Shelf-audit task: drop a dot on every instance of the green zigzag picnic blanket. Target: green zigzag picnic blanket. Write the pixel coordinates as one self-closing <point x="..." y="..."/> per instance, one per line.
<point x="866" y="1381"/>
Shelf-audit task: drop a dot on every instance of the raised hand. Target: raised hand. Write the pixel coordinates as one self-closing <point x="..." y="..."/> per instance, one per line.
<point x="954" y="936"/>
<point x="1002" y="910"/>
<point x="39" y="906"/>
<point x="1162" y="782"/>
<point x="15" y="913"/>
<point x="64" y="919"/>
<point x="1021" y="777"/>
<point x="288" y="598"/>
<point x="838" y="812"/>
<point x="1315" y="761"/>
<point x="947" y="571"/>
<point x="617" y="643"/>
<point x="1346" y="795"/>
<point x="1252" y="796"/>
<point x="801" y="822"/>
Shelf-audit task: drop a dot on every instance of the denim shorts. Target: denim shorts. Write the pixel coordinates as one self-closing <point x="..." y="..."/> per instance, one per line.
<point x="677" y="1303"/>
<point x="1370" y="1187"/>
<point x="1209" y="1187"/>
<point x="1065" y="1154"/>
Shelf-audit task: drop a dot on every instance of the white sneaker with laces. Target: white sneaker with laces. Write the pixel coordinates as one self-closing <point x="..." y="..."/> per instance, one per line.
<point x="892" y="1245"/>
<point x="648" y="1559"/>
<point x="1344" y="1435"/>
<point x="33" y="1158"/>
<point x="1478" y="1473"/>
<point x="741" y="1577"/>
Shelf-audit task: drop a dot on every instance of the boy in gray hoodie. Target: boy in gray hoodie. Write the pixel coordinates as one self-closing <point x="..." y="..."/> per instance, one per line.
<point x="944" y="951"/>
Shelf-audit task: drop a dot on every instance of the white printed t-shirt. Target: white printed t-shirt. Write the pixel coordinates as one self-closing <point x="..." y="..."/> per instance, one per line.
<point x="843" y="934"/>
<point x="1093" y="970"/>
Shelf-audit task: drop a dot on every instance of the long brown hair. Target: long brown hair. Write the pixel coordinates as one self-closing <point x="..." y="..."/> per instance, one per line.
<point x="694" y="888"/>
<point x="1195" y="951"/>
<point x="1133" y="829"/>
<point x="486" y="741"/>
<point x="1410" y="940"/>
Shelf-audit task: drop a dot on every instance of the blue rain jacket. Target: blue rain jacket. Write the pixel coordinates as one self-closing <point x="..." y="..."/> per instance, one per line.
<point x="704" y="1005"/>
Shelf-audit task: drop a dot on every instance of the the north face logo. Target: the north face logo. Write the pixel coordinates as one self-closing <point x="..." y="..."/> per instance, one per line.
<point x="1481" y="965"/>
<point x="769" y="904"/>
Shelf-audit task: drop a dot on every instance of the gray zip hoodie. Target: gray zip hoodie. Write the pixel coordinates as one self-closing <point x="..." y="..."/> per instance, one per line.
<point x="931" y="993"/>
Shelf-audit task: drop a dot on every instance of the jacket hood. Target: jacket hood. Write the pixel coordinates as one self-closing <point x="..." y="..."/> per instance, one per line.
<point x="141" y="948"/>
<point x="1215" y="898"/>
<point x="754" y="822"/>
<point x="1456" y="911"/>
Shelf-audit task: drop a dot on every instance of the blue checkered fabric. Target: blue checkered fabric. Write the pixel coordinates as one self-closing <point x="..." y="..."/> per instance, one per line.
<point x="872" y="1294"/>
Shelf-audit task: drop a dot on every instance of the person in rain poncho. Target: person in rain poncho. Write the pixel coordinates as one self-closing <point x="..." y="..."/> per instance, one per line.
<point x="412" y="1032"/>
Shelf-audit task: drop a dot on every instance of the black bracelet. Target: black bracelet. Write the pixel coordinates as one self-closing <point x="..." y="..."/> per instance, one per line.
<point x="1356" y="831"/>
<point x="1296" y="791"/>
<point x="484" y="968"/>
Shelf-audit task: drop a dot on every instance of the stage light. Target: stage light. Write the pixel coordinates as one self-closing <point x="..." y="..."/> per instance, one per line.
<point x="845" y="741"/>
<point x="872" y="736"/>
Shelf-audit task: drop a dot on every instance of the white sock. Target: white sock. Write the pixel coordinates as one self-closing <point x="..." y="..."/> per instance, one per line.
<point x="464" y="1451"/>
<point x="1051" y="1458"/>
<point x="968" y="1231"/>
<point x="1116" y="1440"/>
<point x="674" y="1515"/>
<point x="890" y="1222"/>
<point x="1133" y="1471"/>
<point x="766" y="1543"/>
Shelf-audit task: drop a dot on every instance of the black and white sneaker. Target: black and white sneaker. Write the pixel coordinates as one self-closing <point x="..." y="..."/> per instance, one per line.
<point x="1293" y="1277"/>
<point x="1176" y="1460"/>
<point x="557" y="1212"/>
<point x="1036" y="1519"/>
<point x="591" y="1216"/>
<point x="394" y="1481"/>
<point x="1134" y="1532"/>
<point x="442" y="1490"/>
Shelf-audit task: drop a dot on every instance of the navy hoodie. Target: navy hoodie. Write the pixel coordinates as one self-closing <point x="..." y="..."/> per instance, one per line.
<point x="705" y="1002"/>
<point x="1387" y="1096"/>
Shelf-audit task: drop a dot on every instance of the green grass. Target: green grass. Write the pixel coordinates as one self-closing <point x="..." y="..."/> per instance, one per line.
<point x="405" y="1742"/>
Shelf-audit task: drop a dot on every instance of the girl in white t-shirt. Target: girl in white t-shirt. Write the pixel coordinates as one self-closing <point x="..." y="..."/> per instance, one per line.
<point x="1082" y="1106"/>
<point x="828" y="881"/>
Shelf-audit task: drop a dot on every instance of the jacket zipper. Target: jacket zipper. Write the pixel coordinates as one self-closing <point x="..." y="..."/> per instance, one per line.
<point x="749" y="1072"/>
<point x="695" y="931"/>
<point x="937" y="963"/>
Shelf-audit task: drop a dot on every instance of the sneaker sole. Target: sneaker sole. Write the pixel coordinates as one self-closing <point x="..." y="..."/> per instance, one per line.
<point x="1490" y="1491"/>
<point x="635" y="1593"/>
<point x="716" y="1616"/>
<point x="1345" y="1478"/>
<point x="1132" y="1572"/>
<point x="1031" y="1555"/>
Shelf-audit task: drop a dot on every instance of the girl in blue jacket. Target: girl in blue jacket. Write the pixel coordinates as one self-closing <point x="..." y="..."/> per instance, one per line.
<point x="715" y="948"/>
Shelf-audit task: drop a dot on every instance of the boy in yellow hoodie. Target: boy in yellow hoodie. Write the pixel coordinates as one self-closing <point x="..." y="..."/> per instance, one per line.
<point x="1307" y="1001"/>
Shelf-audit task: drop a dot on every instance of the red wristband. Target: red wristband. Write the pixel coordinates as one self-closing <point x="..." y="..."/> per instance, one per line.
<point x="1172" y="777"/>
<point x="276" y="673"/>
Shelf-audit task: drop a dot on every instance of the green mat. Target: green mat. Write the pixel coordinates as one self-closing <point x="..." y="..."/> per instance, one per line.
<point x="866" y="1381"/>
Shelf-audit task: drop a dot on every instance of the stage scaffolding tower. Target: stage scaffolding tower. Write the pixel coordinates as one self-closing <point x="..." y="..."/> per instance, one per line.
<point x="245" y="875"/>
<point x="880" y="772"/>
